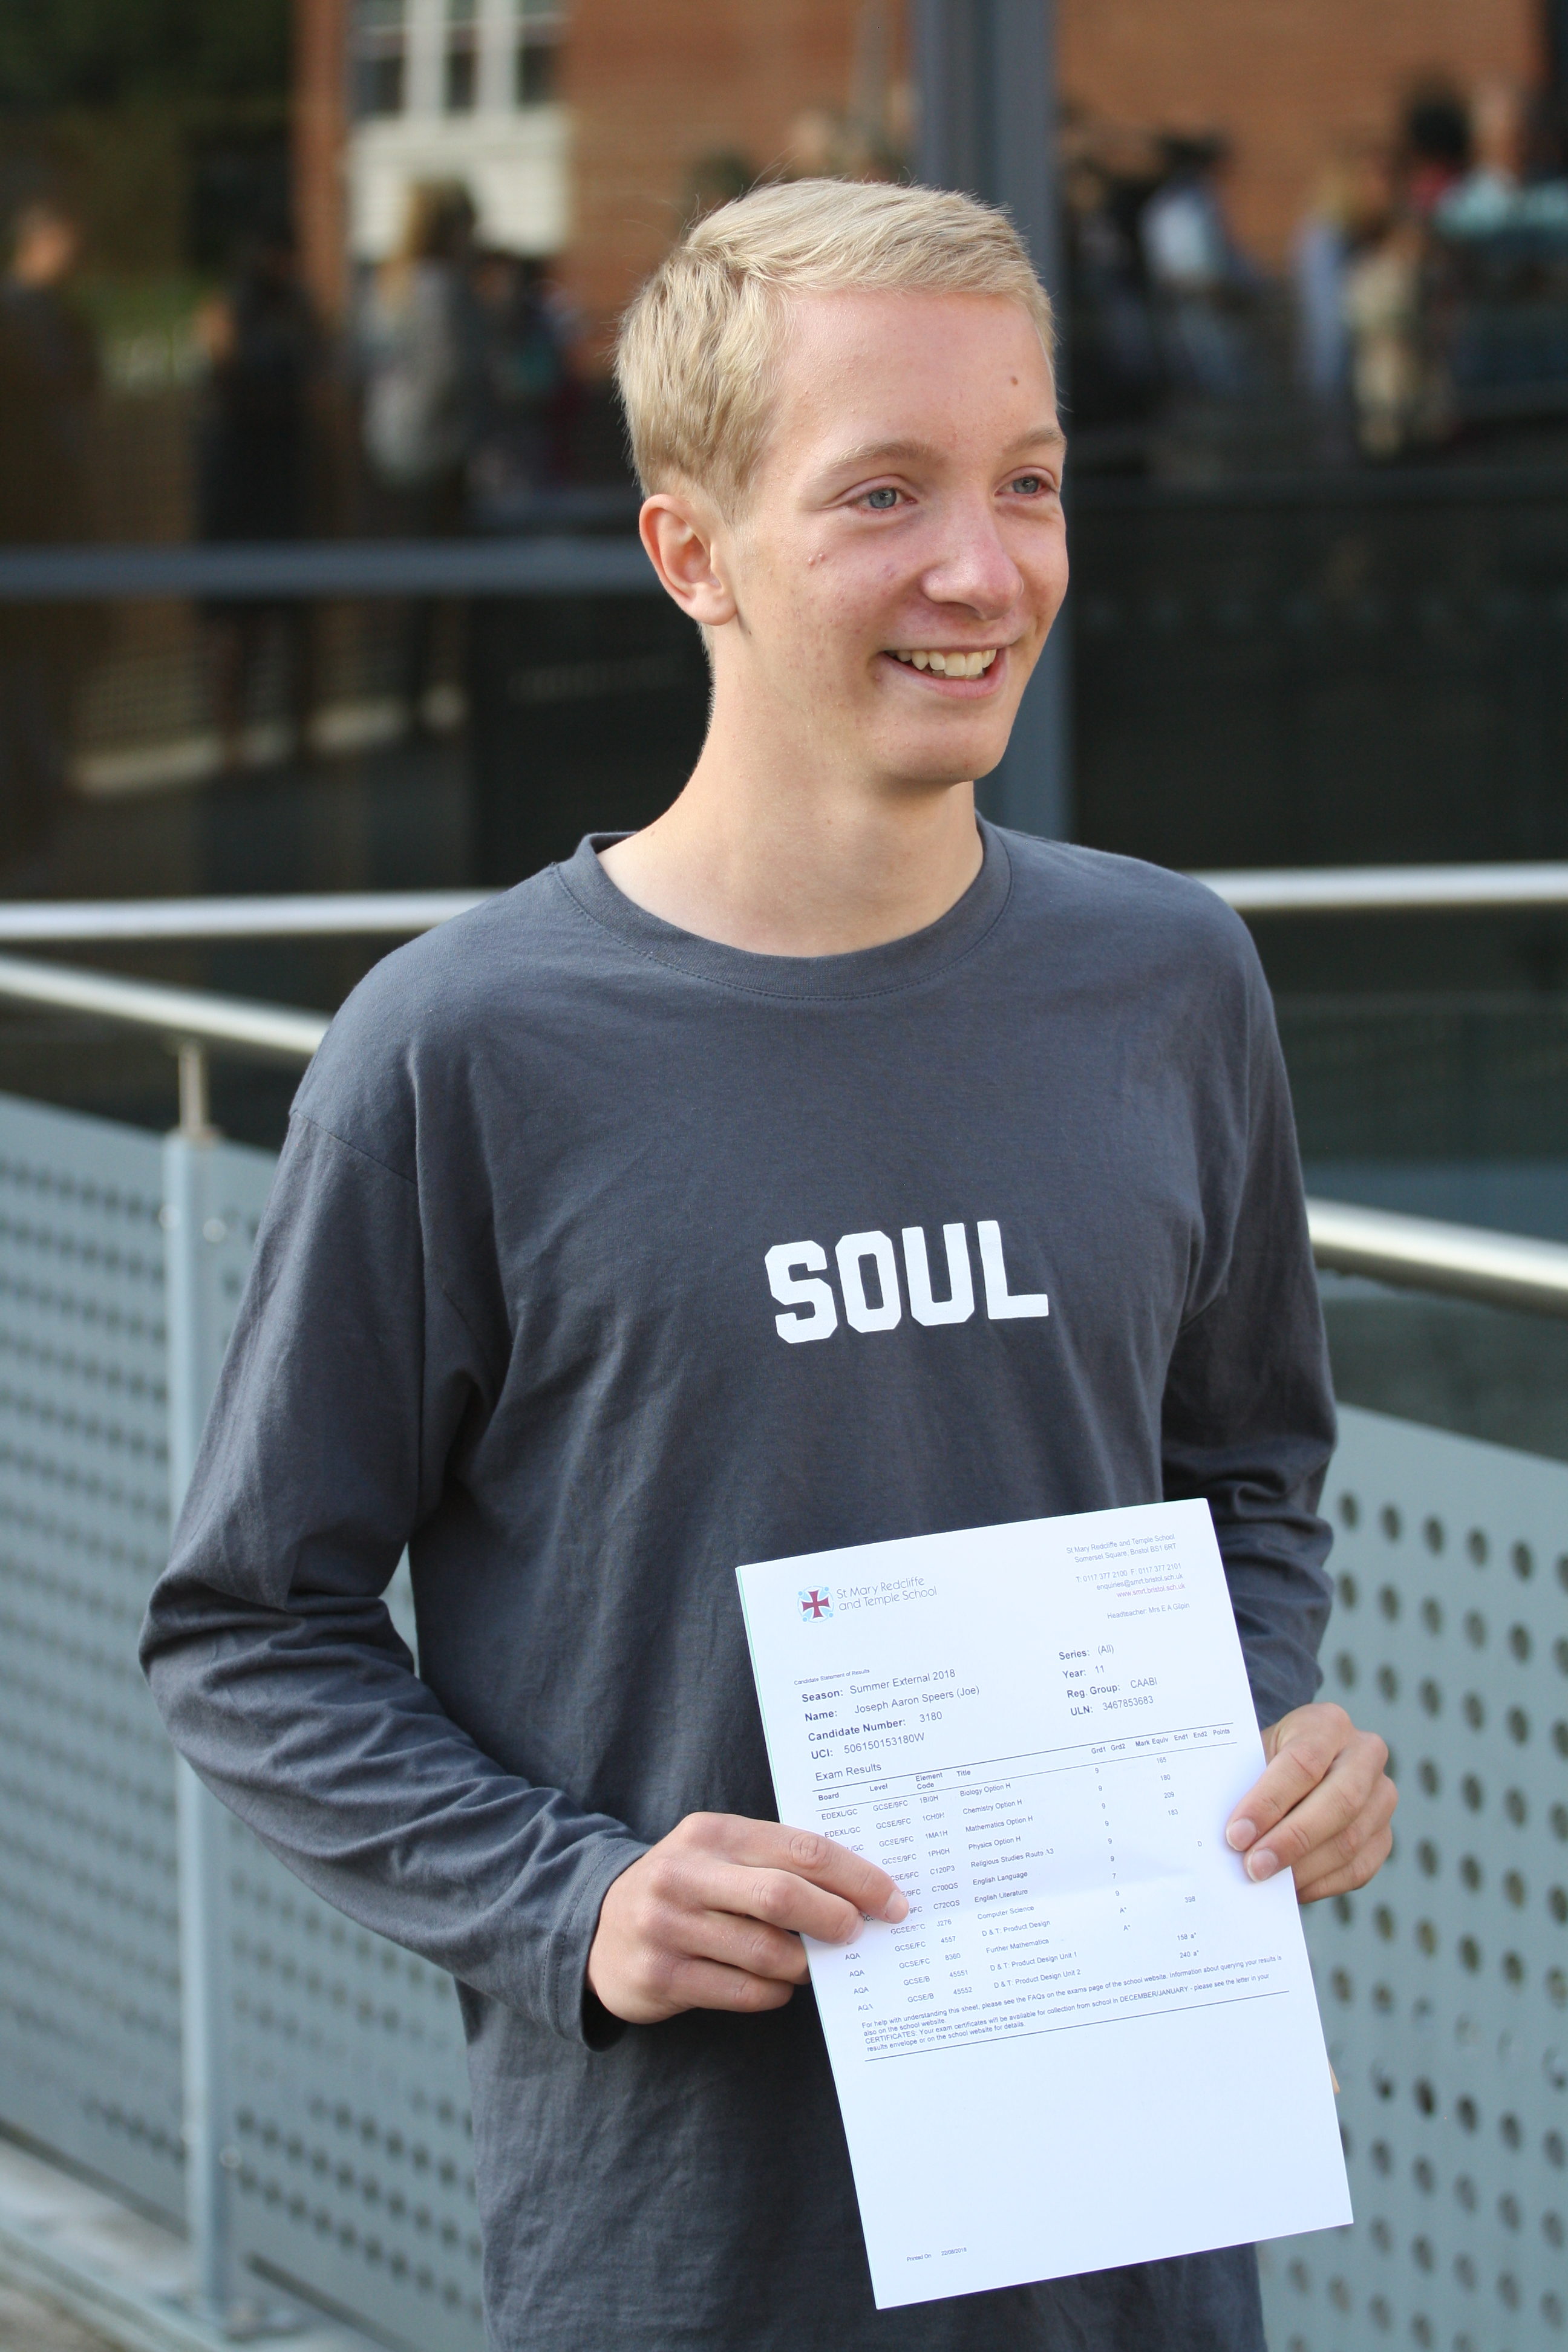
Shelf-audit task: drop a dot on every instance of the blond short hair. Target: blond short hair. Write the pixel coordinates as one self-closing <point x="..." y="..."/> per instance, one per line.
<point x="698" y="354"/>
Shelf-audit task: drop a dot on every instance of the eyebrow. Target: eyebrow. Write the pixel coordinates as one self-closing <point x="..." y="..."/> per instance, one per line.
<point x="894" y="453"/>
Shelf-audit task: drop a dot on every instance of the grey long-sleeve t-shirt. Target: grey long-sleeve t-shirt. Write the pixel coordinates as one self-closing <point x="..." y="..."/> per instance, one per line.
<point x="550" y="1289"/>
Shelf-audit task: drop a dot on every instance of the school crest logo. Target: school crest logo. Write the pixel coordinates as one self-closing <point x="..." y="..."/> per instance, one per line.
<point x="817" y="1602"/>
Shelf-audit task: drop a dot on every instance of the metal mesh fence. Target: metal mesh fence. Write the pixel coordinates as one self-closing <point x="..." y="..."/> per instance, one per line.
<point x="1445" y="1984"/>
<point x="352" y="2157"/>
<point x="90" y="2009"/>
<point x="355" y="2172"/>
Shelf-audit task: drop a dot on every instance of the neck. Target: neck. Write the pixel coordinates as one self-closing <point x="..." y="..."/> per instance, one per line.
<point x="788" y="853"/>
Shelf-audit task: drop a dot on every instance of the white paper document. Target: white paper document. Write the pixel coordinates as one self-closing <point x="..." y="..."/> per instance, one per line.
<point x="1094" y="2041"/>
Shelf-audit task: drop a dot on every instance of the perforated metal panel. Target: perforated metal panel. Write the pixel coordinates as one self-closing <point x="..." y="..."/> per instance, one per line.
<point x="1445" y="1984"/>
<point x="356" y="2163"/>
<point x="90" y="2014"/>
<point x="353" y="2155"/>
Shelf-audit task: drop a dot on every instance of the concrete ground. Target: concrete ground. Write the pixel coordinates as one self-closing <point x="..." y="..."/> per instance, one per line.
<point x="28" y="2324"/>
<point x="79" y="2271"/>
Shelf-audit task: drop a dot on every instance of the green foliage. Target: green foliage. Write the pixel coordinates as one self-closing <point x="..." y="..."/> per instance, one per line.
<point x="95" y="53"/>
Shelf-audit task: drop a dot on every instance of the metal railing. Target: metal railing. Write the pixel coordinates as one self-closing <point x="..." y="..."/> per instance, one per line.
<point x="380" y="914"/>
<point x="400" y="914"/>
<point x="1424" y="1253"/>
<point x="186" y="1017"/>
<point x="1390" y="889"/>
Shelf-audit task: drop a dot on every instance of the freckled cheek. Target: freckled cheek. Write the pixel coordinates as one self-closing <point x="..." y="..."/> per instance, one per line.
<point x="847" y="608"/>
<point x="1047" y="577"/>
<point x="866" y="602"/>
<point x="811" y="631"/>
<point x="832" y="611"/>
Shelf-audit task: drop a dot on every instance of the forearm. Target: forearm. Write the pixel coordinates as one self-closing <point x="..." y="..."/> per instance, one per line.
<point x="313" y="1728"/>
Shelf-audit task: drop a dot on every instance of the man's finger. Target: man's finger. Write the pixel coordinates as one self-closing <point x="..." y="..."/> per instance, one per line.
<point x="1326" y="1821"/>
<point x="1355" y="1874"/>
<point x="1301" y="1762"/>
<point x="746" y="1943"/>
<point x="1344" y="1851"/>
<point x="1309" y="1756"/>
<point x="705" y="1984"/>
<point x="705" y="1883"/>
<point x="1317" y="1820"/>
<point x="805" y="1854"/>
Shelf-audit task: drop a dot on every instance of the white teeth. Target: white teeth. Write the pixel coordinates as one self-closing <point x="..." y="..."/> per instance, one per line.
<point x="951" y="664"/>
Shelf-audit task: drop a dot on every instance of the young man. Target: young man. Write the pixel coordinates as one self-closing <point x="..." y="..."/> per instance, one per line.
<point x="564" y="1283"/>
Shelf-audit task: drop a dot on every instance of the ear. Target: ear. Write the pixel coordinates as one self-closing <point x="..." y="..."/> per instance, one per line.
<point x="680" y="531"/>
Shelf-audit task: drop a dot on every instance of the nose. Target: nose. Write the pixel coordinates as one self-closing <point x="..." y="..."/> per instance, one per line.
<point x="974" y="567"/>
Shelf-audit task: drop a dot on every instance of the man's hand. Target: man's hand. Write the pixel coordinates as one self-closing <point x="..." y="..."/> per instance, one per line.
<point x="713" y="1916"/>
<point x="1322" y="1808"/>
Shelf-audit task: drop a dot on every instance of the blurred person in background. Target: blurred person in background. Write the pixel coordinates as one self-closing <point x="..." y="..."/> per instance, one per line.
<point x="255" y="436"/>
<point x="48" y="383"/>
<point x="423" y="356"/>
<point x="718" y="178"/>
<point x="1351" y="218"/>
<point x="1436" y="146"/>
<point x="1497" y="263"/>
<point x="822" y="144"/>
<point x="1488" y="195"/>
<point x="1117" y="371"/>
<point x="527" y="384"/>
<point x="1204" y="284"/>
<point x="1515" y="179"/>
<point x="1320" y="261"/>
<point x="1392" y="389"/>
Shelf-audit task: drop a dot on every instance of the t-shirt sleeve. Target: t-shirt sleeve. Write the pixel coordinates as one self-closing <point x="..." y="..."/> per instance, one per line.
<point x="1249" y="1415"/>
<point x="267" y="1642"/>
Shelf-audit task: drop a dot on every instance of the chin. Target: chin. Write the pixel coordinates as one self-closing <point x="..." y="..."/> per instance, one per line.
<point x="949" y="755"/>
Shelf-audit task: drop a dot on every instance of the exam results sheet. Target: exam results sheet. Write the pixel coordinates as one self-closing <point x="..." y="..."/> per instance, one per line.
<point x="1094" y="2041"/>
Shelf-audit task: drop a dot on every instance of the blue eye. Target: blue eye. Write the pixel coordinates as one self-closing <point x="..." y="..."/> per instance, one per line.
<point x="881" y="501"/>
<point x="1030" y="483"/>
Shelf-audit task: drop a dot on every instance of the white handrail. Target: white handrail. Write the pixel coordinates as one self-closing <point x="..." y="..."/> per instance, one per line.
<point x="182" y="1015"/>
<point x="1388" y="889"/>
<point x="1424" y="1254"/>
<point x="385" y="914"/>
<point x="399" y="914"/>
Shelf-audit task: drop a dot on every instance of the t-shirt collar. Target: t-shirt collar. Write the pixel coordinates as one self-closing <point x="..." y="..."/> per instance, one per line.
<point x="867" y="971"/>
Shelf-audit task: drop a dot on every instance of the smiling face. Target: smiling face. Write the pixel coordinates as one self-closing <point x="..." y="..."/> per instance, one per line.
<point x="901" y="554"/>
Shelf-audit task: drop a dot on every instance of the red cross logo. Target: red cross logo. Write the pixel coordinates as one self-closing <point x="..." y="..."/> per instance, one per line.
<point x="817" y="1602"/>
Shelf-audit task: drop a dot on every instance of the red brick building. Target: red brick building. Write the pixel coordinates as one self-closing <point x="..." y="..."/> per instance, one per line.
<point x="649" y="101"/>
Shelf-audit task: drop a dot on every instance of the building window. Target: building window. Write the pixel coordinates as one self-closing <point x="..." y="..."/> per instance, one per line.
<point x="463" y="72"/>
<point x="380" y="59"/>
<point x="539" y="28"/>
